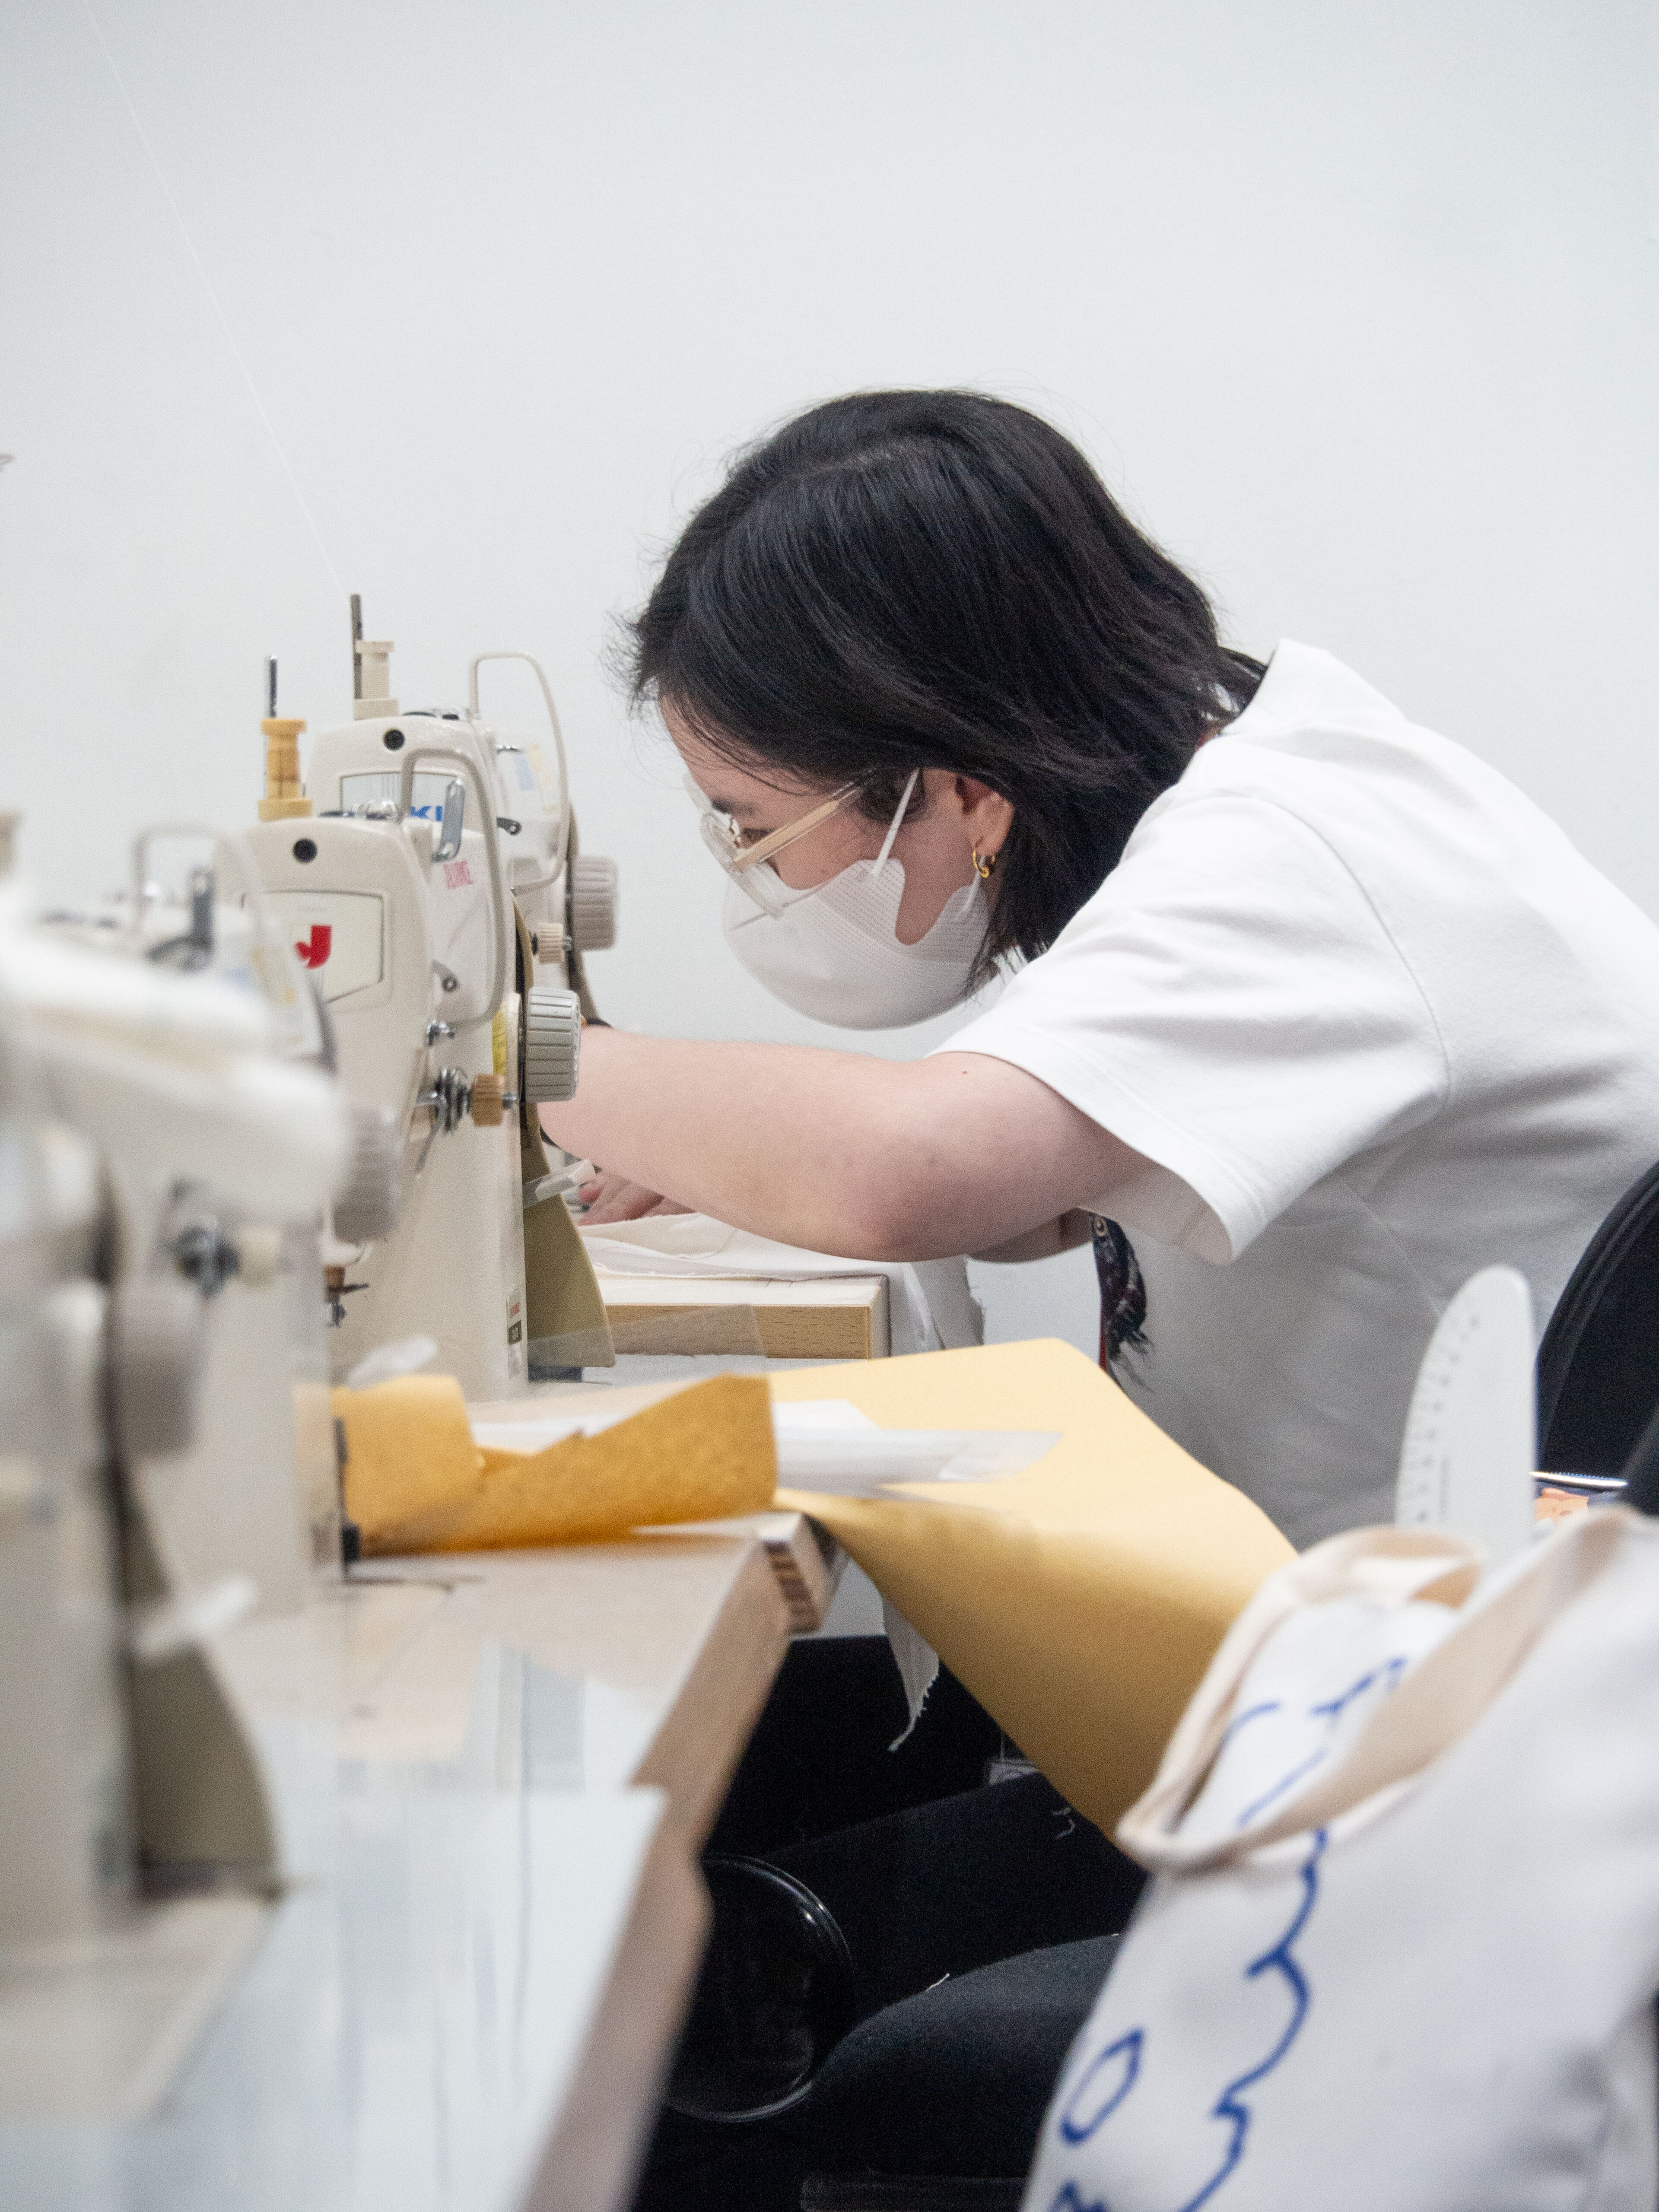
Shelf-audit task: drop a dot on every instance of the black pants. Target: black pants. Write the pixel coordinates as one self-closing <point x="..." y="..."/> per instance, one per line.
<point x="820" y="1760"/>
<point x="928" y="1870"/>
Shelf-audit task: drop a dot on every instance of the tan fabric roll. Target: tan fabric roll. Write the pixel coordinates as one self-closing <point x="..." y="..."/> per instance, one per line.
<point x="1081" y="1601"/>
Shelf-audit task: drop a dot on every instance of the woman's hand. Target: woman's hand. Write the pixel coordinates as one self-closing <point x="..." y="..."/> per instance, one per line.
<point x="614" y="1198"/>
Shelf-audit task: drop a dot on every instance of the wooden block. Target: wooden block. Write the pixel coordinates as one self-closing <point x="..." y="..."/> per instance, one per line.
<point x="806" y="1561"/>
<point x="838" y="1317"/>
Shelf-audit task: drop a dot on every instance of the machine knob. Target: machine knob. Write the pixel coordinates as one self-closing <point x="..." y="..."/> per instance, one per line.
<point x="552" y="1044"/>
<point x="488" y="1100"/>
<point x="156" y="1352"/>
<point x="367" y="1207"/>
<point x="205" y="1256"/>
<point x="260" y="1254"/>
<point x="592" y="903"/>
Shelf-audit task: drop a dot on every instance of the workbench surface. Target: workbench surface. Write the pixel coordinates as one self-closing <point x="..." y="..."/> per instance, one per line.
<point x="492" y="1773"/>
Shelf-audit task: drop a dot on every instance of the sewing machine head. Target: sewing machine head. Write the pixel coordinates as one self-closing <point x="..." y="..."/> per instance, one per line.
<point x="228" y="1220"/>
<point x="567" y="898"/>
<point x="154" y="1363"/>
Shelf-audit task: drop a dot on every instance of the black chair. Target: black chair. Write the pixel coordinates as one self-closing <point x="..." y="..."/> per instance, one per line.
<point x="1598" y="1365"/>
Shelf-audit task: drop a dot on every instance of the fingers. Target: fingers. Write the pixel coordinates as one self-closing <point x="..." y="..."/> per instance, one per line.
<point x="608" y="1197"/>
<point x="614" y="1198"/>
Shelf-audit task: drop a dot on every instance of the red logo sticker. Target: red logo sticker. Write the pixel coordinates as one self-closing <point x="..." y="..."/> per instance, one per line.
<point x="318" y="946"/>
<point x="457" y="873"/>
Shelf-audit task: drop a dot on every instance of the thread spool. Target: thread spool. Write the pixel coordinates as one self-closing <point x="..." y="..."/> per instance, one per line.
<point x="285" y="798"/>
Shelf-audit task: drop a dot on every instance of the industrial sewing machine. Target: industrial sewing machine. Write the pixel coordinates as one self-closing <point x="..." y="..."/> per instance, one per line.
<point x="157" y="1153"/>
<point x="391" y="874"/>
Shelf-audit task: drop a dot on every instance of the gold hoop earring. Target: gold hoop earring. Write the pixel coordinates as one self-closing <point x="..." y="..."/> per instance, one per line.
<point x="983" y="868"/>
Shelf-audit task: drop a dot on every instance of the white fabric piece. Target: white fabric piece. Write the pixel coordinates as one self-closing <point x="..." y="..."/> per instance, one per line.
<point x="819" y="1416"/>
<point x="954" y="1315"/>
<point x="854" y="1610"/>
<point x="929" y="1306"/>
<point x="1402" y="1948"/>
<point x="857" y="1607"/>
<point x="834" y="952"/>
<point x="1374" y="1023"/>
<point x="916" y="1661"/>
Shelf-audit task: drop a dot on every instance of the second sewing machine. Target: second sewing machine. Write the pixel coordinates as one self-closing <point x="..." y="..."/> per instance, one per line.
<point x="426" y="869"/>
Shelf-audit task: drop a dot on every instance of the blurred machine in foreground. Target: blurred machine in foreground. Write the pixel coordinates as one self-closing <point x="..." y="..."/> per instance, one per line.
<point x="163" y="1167"/>
<point x="256" y="1491"/>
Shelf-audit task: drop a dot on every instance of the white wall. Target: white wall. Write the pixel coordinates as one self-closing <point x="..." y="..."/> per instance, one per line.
<point x="1354" y="303"/>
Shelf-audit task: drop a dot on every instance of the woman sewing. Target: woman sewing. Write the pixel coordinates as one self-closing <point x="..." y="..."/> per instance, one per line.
<point x="1308" y="1013"/>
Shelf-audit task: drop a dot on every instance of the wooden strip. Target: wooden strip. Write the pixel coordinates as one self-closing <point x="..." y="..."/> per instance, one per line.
<point x="837" y="1318"/>
<point x="695" y="1753"/>
<point x="594" y="2153"/>
<point x="806" y="1559"/>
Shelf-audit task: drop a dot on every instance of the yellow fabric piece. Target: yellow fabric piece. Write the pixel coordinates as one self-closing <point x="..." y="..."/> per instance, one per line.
<point x="1081" y="1601"/>
<point x="408" y="1450"/>
<point x="415" y="1482"/>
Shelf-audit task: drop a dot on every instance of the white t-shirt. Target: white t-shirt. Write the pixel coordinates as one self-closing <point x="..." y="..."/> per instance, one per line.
<point x="1376" y="1024"/>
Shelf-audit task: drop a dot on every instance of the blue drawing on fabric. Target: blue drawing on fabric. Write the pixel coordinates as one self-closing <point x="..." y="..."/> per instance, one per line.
<point x="1122" y="2060"/>
<point x="1330" y="1710"/>
<point x="1120" y="2063"/>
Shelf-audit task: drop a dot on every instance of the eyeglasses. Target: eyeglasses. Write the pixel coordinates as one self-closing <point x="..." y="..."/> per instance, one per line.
<point x="744" y="863"/>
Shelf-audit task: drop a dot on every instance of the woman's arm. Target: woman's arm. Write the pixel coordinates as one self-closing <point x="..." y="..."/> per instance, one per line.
<point x="836" y="1151"/>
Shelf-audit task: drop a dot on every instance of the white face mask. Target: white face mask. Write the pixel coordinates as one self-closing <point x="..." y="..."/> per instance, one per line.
<point x="833" y="951"/>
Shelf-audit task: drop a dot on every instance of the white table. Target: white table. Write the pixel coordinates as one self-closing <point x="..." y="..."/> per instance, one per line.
<point x="492" y="1774"/>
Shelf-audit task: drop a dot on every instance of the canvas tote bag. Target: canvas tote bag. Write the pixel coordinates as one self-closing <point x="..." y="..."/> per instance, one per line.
<point x="1403" y="1943"/>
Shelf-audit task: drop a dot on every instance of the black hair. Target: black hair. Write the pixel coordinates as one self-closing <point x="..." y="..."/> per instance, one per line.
<point x="906" y="580"/>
